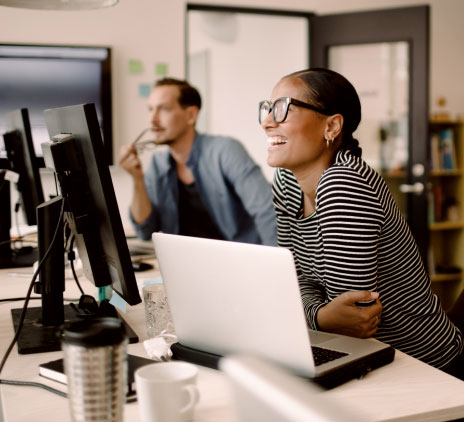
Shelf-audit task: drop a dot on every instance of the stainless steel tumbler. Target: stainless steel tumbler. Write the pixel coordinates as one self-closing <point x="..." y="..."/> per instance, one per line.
<point x="95" y="363"/>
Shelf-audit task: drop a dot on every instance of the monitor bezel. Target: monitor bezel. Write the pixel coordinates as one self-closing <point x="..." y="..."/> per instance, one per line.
<point x="81" y="122"/>
<point x="26" y="165"/>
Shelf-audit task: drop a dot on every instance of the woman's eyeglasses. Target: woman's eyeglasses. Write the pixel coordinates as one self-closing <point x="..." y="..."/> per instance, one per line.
<point x="280" y="106"/>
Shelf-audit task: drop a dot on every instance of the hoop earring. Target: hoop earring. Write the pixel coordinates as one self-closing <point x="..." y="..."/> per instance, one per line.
<point x="329" y="142"/>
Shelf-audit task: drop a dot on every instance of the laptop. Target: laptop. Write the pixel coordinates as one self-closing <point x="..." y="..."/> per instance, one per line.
<point x="230" y="297"/>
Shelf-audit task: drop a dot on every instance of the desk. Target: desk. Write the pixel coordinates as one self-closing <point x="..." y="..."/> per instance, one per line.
<point x="406" y="389"/>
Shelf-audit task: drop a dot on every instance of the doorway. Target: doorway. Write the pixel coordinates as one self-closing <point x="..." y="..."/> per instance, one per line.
<point x="231" y="56"/>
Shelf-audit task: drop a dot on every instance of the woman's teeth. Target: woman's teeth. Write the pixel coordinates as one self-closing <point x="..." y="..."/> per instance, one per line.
<point x="276" y="141"/>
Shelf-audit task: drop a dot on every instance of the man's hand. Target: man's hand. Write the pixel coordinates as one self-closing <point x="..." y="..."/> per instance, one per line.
<point x="343" y="316"/>
<point x="130" y="162"/>
<point x="140" y="206"/>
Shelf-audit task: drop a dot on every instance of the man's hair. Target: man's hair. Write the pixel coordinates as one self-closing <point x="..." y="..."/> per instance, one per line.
<point x="188" y="95"/>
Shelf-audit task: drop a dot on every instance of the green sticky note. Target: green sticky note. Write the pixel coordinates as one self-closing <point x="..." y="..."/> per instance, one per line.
<point x="161" y="69"/>
<point x="135" y="66"/>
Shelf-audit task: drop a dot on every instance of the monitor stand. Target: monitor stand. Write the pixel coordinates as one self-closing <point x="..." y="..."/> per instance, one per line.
<point x="40" y="329"/>
<point x="38" y="338"/>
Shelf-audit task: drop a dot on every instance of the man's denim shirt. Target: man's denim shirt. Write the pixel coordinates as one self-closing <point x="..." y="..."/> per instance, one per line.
<point x="230" y="184"/>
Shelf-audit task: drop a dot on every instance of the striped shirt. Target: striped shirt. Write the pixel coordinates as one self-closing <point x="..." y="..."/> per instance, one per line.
<point x="357" y="239"/>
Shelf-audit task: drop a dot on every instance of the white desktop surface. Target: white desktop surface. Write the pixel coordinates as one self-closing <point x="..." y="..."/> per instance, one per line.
<point x="406" y="389"/>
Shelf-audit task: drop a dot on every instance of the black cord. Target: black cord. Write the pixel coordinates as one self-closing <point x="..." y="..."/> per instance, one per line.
<point x="14" y="299"/>
<point x="29" y="291"/>
<point x="71" y="258"/>
<point x="75" y="277"/>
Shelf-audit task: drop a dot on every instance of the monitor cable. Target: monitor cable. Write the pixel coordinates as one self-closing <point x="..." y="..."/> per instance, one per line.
<point x="29" y="291"/>
<point x="71" y="254"/>
<point x="23" y="316"/>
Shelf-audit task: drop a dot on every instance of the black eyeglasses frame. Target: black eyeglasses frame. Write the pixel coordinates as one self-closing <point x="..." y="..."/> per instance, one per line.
<point x="288" y="101"/>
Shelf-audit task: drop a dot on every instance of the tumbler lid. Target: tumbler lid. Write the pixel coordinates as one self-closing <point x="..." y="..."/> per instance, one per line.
<point x="93" y="332"/>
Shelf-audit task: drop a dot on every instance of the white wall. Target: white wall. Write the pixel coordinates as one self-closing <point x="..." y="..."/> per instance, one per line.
<point x="241" y="69"/>
<point x="153" y="31"/>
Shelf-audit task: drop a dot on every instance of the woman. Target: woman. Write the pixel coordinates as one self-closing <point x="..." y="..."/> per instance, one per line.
<point x="358" y="266"/>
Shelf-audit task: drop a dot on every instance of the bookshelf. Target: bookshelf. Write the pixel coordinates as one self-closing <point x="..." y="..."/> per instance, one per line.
<point x="446" y="208"/>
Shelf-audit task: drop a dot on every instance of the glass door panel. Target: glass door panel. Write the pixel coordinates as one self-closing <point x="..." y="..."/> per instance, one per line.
<point x="380" y="74"/>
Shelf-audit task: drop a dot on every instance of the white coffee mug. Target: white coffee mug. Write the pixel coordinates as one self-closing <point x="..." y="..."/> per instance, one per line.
<point x="167" y="391"/>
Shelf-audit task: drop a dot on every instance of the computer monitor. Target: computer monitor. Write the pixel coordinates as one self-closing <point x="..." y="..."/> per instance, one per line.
<point x="76" y="155"/>
<point x="44" y="76"/>
<point x="23" y="162"/>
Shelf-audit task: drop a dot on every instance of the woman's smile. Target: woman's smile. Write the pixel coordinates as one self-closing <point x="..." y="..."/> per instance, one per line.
<point x="274" y="142"/>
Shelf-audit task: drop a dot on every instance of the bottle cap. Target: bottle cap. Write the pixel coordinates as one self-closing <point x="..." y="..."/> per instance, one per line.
<point x="95" y="332"/>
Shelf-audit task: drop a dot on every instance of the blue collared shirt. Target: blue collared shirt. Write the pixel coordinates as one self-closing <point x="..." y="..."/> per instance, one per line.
<point x="230" y="184"/>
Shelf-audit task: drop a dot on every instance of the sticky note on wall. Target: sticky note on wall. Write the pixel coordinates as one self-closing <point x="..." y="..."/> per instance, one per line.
<point x="135" y="66"/>
<point x="161" y="69"/>
<point x="144" y="90"/>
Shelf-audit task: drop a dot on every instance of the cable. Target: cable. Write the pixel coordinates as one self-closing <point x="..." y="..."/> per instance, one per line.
<point x="71" y="258"/>
<point x="29" y="291"/>
<point x="14" y="299"/>
<point x="75" y="277"/>
<point x="34" y="384"/>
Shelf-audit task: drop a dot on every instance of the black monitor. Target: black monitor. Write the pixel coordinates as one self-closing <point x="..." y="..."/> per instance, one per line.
<point x="39" y="77"/>
<point x="76" y="155"/>
<point x="24" y="165"/>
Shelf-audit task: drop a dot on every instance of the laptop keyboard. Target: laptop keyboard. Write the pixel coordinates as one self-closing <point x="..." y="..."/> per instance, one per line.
<point x="322" y="355"/>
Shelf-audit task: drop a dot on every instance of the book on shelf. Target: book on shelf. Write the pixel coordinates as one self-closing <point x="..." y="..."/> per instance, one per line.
<point x="442" y="150"/>
<point x="447" y="149"/>
<point x="441" y="207"/>
<point x="435" y="151"/>
<point x="431" y="207"/>
<point x="437" y="204"/>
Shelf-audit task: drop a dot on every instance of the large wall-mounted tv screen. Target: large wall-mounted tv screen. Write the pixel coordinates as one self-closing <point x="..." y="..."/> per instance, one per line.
<point x="39" y="77"/>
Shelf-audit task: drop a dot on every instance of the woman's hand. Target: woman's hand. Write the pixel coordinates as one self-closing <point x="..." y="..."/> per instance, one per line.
<point x="343" y="316"/>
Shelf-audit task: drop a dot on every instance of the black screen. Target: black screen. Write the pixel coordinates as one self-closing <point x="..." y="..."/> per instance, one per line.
<point x="42" y="77"/>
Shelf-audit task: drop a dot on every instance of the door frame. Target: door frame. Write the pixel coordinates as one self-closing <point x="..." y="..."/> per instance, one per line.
<point x="410" y="24"/>
<point x="232" y="9"/>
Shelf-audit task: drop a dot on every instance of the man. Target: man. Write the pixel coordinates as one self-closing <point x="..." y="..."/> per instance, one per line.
<point x="203" y="186"/>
